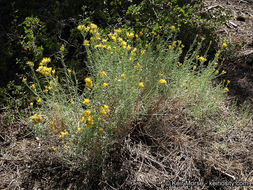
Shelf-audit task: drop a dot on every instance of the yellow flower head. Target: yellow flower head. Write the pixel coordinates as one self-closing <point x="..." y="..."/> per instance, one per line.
<point x="100" y="130"/>
<point x="79" y="129"/>
<point x="103" y="74"/>
<point x="81" y="27"/>
<point x="224" y="72"/>
<point x="62" y="47"/>
<point x="88" y="82"/>
<point x="39" y="100"/>
<point x="45" y="61"/>
<point x="141" y="84"/>
<point x="105" y="85"/>
<point x="33" y="86"/>
<point x="202" y="59"/>
<point x="224" y="45"/>
<point x="86" y="43"/>
<point x="86" y="112"/>
<point x="69" y="70"/>
<point x="93" y="26"/>
<point x="227" y="90"/>
<point x="217" y="72"/>
<point x="163" y="81"/>
<point x="31" y="104"/>
<point x="31" y="64"/>
<point x="172" y="27"/>
<point x="130" y="35"/>
<point x="86" y="101"/>
<point x="123" y="75"/>
<point x="143" y="52"/>
<point x="24" y="79"/>
<point x="51" y="123"/>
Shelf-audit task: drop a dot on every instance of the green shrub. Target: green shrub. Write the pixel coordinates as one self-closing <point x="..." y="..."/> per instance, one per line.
<point x="124" y="82"/>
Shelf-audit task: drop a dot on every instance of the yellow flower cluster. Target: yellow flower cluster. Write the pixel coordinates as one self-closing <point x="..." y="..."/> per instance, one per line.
<point x="45" y="61"/>
<point x="105" y="110"/>
<point x="86" y="101"/>
<point x="130" y="35"/>
<point x="37" y="118"/>
<point x="88" y="82"/>
<point x="31" y="64"/>
<point x="141" y="84"/>
<point x="163" y="81"/>
<point x="88" y="118"/>
<point x="202" y="59"/>
<point x="63" y="133"/>
<point x="44" y="70"/>
<point x="103" y="74"/>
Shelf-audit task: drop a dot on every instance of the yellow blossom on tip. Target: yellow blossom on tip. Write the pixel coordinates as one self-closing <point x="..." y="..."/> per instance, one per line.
<point x="114" y="38"/>
<point x="86" y="113"/>
<point x="93" y="26"/>
<point x="217" y="72"/>
<point x="51" y="123"/>
<point x="143" y="52"/>
<point x="130" y="35"/>
<point x="141" y="33"/>
<point x="31" y="64"/>
<point x="194" y="67"/>
<point x="72" y="101"/>
<point x="49" y="88"/>
<point x="69" y="70"/>
<point x="24" y="79"/>
<point x="228" y="81"/>
<point x="202" y="59"/>
<point x="105" y="85"/>
<point x="123" y="75"/>
<point x="100" y="119"/>
<point x="81" y="27"/>
<point x="86" y="43"/>
<point x="53" y="148"/>
<point x="162" y="81"/>
<point x="179" y="64"/>
<point x="83" y="119"/>
<point x="86" y="101"/>
<point x="53" y="71"/>
<point x="100" y="130"/>
<point x="141" y="84"/>
<point x="224" y="45"/>
<point x="62" y="47"/>
<point x="116" y="79"/>
<point x="90" y="122"/>
<point x="45" y="61"/>
<point x="32" y="86"/>
<point x="31" y="104"/>
<point x="172" y="27"/>
<point x="103" y="73"/>
<point x="215" y="64"/>
<point x="88" y="82"/>
<point x="226" y="89"/>
<point x="39" y="100"/>
<point x="79" y="129"/>
<point x="224" y="72"/>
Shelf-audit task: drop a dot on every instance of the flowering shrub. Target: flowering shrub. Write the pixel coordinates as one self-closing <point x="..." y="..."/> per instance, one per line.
<point x="125" y="80"/>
